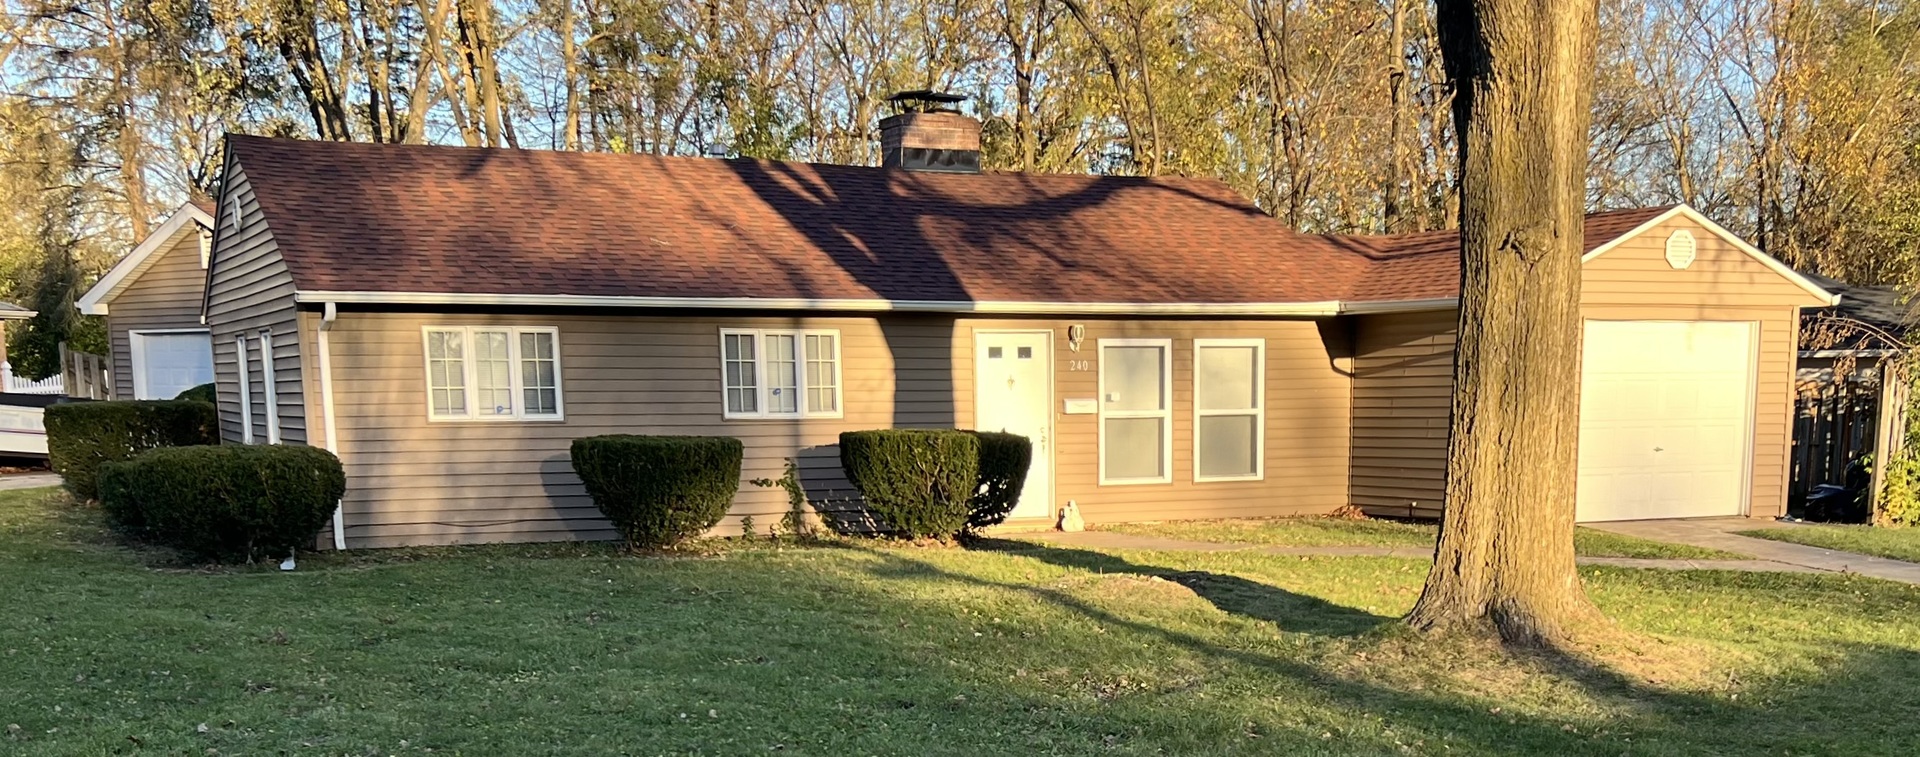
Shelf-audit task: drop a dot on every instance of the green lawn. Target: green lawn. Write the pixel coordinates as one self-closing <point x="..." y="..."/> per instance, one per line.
<point x="1895" y="543"/>
<point x="859" y="648"/>
<point x="1365" y="532"/>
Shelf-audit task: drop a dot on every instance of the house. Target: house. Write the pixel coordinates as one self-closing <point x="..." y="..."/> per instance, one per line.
<point x="448" y="319"/>
<point x="151" y="298"/>
<point x="23" y="433"/>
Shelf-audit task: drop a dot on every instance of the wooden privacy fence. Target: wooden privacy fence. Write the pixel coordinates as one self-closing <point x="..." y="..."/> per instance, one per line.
<point x="86" y="375"/>
<point x="1834" y="424"/>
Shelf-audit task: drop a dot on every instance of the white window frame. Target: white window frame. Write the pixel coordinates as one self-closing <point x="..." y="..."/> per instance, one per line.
<point x="270" y="394"/>
<point x="136" y="355"/>
<point x="471" y="378"/>
<point x="1165" y="414"/>
<point x="241" y="360"/>
<point x="762" y="385"/>
<point x="1259" y="411"/>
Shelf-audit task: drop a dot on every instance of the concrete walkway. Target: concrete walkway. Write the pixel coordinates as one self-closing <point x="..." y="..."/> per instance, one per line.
<point x="1772" y="557"/>
<point x="1718" y="533"/>
<point x="28" y="481"/>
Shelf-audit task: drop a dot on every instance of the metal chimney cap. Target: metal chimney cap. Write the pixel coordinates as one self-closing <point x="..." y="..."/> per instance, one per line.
<point x="923" y="100"/>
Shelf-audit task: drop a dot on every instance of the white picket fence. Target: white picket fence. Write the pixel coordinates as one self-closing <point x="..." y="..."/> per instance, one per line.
<point x="17" y="385"/>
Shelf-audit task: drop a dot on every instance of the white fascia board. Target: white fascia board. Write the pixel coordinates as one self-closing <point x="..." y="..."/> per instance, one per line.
<point x="1720" y="231"/>
<point x="1327" y="308"/>
<point x="17" y="315"/>
<point x="188" y="217"/>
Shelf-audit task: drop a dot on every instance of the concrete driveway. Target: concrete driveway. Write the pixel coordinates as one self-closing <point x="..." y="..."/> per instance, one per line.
<point x="1718" y="533"/>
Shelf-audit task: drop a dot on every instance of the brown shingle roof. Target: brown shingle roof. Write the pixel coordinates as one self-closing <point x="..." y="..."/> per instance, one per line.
<point x="417" y="218"/>
<point x="1426" y="265"/>
<point x="358" y="217"/>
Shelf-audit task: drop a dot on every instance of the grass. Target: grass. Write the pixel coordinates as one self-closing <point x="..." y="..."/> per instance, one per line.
<point x="1894" y="543"/>
<point x="1367" y="532"/>
<point x="863" y="648"/>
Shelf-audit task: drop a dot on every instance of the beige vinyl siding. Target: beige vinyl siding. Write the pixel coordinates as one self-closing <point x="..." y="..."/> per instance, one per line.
<point x="1306" y="431"/>
<point x="250" y="290"/>
<point x="1402" y="400"/>
<point x="415" y="481"/>
<point x="1403" y="364"/>
<point x="165" y="296"/>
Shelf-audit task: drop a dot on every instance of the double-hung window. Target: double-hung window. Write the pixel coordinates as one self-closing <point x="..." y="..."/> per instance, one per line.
<point x="780" y="374"/>
<point x="1136" y="411"/>
<point x="493" y="373"/>
<point x="1229" y="408"/>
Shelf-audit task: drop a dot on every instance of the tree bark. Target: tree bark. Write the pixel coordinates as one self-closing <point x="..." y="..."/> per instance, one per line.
<point x="1522" y="76"/>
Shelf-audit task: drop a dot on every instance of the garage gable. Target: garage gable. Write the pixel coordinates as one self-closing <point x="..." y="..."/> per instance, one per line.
<point x="1682" y="259"/>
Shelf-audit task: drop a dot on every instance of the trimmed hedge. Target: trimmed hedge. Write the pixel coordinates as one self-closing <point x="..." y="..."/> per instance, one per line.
<point x="1004" y="462"/>
<point x="921" y="482"/>
<point x="82" y="436"/>
<point x="238" y="502"/>
<point x="201" y="393"/>
<point x="659" y="490"/>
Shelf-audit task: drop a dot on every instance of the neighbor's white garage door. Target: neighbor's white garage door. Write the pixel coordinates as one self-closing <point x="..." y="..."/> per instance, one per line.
<point x="1665" y="419"/>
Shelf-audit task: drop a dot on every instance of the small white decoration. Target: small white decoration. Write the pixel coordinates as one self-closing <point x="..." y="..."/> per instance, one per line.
<point x="1680" y="249"/>
<point x="1070" y="519"/>
<point x="287" y="564"/>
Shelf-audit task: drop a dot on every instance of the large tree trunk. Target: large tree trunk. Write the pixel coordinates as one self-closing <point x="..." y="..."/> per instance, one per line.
<point x="1522" y="73"/>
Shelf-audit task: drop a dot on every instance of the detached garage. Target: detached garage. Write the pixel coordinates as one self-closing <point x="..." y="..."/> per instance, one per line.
<point x="1686" y="391"/>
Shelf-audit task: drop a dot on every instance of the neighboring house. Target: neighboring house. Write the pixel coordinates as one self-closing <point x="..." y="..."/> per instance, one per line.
<point x="449" y="319"/>
<point x="1847" y="411"/>
<point x="158" y="345"/>
<point x="22" y="432"/>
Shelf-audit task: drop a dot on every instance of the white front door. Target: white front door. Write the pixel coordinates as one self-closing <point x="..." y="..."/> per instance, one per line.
<point x="1666" y="412"/>
<point x="1013" y="392"/>
<point x="166" y="363"/>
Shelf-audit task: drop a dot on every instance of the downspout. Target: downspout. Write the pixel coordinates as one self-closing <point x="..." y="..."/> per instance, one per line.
<point x="326" y="414"/>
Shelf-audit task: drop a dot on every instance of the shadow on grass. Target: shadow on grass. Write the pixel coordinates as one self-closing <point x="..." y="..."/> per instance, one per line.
<point x="1785" y="714"/>
<point x="1295" y="613"/>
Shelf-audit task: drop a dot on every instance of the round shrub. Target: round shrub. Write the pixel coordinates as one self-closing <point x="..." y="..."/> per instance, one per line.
<point x="201" y="393"/>
<point x="1004" y="462"/>
<point x="659" y="490"/>
<point x="82" y="436"/>
<point x="919" y="481"/>
<point x="231" y="503"/>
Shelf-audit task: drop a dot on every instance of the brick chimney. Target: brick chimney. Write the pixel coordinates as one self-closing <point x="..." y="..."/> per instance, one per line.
<point x="928" y="135"/>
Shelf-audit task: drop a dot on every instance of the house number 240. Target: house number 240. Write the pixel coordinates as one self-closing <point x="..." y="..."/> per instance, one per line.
<point x="1079" y="365"/>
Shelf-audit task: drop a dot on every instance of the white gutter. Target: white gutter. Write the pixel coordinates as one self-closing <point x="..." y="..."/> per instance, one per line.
<point x="1321" y="308"/>
<point x="326" y="415"/>
<point x="1399" y="306"/>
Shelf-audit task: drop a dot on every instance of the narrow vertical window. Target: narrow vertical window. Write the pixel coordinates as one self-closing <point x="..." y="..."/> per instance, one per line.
<point x="1229" y="409"/>
<point x="783" y="375"/>
<point x="270" y="391"/>
<point x="447" y="372"/>
<point x="492" y="374"/>
<point x="742" y="374"/>
<point x="245" y="369"/>
<point x="823" y="368"/>
<point x="540" y="373"/>
<point x="1136" y="411"/>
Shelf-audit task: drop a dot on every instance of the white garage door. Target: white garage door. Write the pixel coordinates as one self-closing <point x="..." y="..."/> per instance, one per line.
<point x="168" y="363"/>
<point x="1665" y="419"/>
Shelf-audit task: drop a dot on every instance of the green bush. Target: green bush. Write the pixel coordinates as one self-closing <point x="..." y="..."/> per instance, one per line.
<point x="231" y="503"/>
<point x="81" y="436"/>
<point x="659" y="490"/>
<point x="1004" y="462"/>
<point x="919" y="482"/>
<point x="201" y="393"/>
